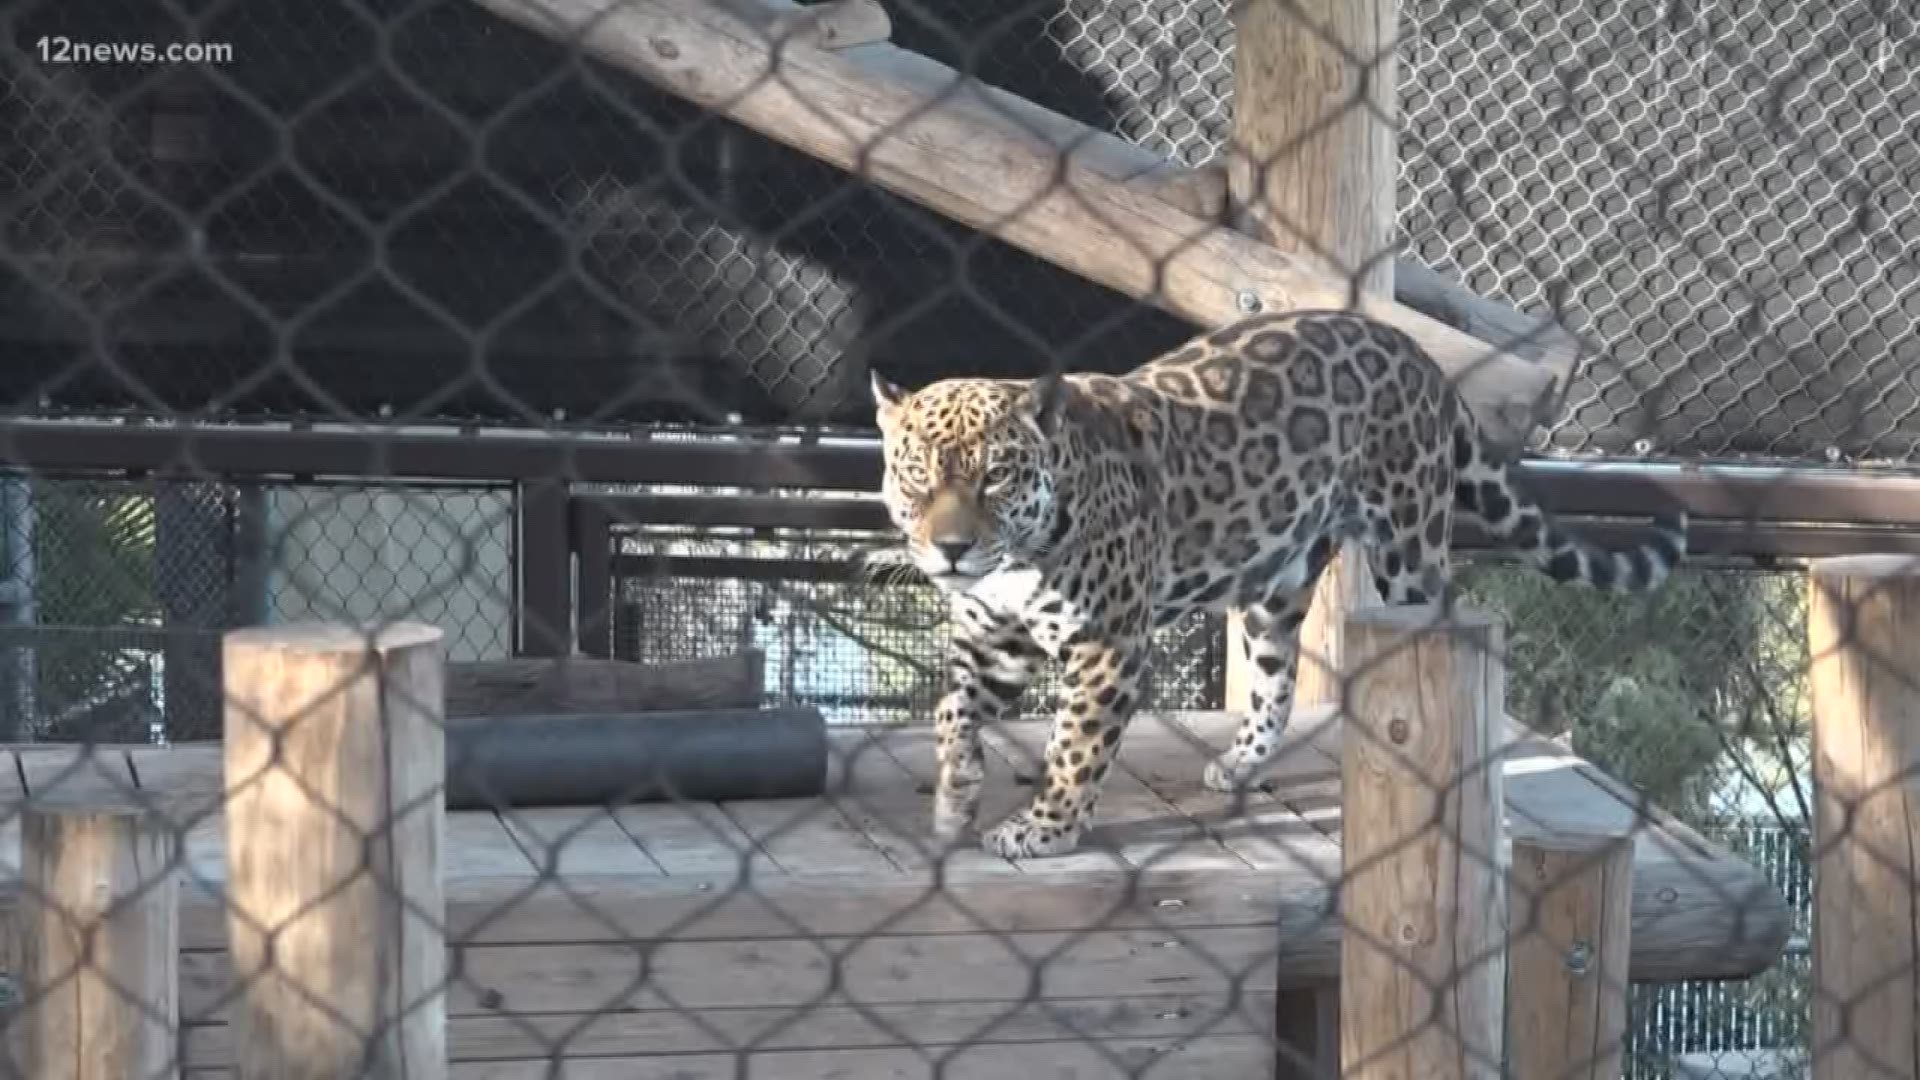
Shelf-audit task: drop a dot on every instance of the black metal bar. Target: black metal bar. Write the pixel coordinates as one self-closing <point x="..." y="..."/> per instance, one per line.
<point x="1762" y="501"/>
<point x="1713" y="544"/>
<point x="1751" y="500"/>
<point x="1716" y="537"/>
<point x="373" y="452"/>
<point x="745" y="512"/>
<point x="1733" y="493"/>
<point x="193" y="541"/>
<point x="721" y="568"/>
<point x="544" y="577"/>
<point x="593" y="543"/>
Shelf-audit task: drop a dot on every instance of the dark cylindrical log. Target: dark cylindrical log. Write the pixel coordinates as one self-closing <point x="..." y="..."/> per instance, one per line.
<point x="596" y="758"/>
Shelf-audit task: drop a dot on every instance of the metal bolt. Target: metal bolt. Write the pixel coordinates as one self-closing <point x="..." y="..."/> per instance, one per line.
<point x="1399" y="730"/>
<point x="1578" y="957"/>
<point x="1247" y="301"/>
<point x="1643" y="446"/>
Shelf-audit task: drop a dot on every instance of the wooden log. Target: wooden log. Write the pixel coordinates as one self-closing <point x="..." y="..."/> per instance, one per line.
<point x="578" y="684"/>
<point x="1313" y="170"/>
<point x="834" y="24"/>
<point x="99" y="943"/>
<point x="1543" y="339"/>
<point x="914" y="128"/>
<point x="334" y="764"/>
<point x="1863" y="626"/>
<point x="1313" y="173"/>
<point x="1570" y="904"/>
<point x="1202" y="192"/>
<point x="1314" y="163"/>
<point x="1421" y="983"/>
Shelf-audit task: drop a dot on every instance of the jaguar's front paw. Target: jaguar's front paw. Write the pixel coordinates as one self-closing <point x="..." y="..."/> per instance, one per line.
<point x="1023" y="837"/>
<point x="1228" y="773"/>
<point x="953" y="817"/>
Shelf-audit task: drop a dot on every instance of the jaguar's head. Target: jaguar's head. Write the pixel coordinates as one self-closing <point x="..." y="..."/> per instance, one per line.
<point x="971" y="474"/>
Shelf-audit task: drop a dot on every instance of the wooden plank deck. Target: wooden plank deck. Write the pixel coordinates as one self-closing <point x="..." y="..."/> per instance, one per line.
<point x="813" y="935"/>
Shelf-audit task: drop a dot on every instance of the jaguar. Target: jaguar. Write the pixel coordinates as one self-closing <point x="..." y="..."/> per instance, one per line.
<point x="1067" y="517"/>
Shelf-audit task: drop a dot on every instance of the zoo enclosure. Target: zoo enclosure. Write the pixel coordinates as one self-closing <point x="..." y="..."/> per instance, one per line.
<point x="198" y="454"/>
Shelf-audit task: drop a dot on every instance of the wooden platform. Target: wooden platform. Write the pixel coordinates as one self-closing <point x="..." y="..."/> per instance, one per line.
<point x="825" y="938"/>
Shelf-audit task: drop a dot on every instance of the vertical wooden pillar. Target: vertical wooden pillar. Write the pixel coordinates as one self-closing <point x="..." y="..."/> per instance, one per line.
<point x="1422" y="979"/>
<point x="99" y="944"/>
<point x="1863" y="624"/>
<point x="1311" y="170"/>
<point x="335" y="768"/>
<point x="1314" y="169"/>
<point x="1569" y="908"/>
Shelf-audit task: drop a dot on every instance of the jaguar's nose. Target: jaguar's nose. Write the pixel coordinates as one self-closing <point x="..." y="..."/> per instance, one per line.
<point x="953" y="550"/>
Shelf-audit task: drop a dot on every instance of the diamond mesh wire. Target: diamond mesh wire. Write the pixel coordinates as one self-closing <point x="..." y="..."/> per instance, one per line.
<point x="382" y="219"/>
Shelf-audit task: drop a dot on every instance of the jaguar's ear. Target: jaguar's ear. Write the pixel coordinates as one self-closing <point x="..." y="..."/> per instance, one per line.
<point x="887" y="397"/>
<point x="1045" y="401"/>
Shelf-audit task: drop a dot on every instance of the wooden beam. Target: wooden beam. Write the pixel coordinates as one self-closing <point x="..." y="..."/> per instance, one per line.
<point x="835" y="24"/>
<point x="334" y="764"/>
<point x="99" y="941"/>
<point x="973" y="153"/>
<point x="1863" y="626"/>
<point x="1421" y="978"/>
<point x="1202" y="192"/>
<point x="1569" y="906"/>
<point x="1693" y="918"/>
<point x="962" y="1026"/>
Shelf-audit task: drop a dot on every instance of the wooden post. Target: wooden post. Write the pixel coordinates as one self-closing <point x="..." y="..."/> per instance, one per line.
<point x="1312" y="172"/>
<point x="1863" y="623"/>
<point x="1422" y="900"/>
<point x="99" y="943"/>
<point x="1569" y="908"/>
<point x="335" y="764"/>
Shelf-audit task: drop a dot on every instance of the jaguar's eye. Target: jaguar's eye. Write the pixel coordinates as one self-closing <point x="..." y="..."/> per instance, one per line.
<point x="998" y="476"/>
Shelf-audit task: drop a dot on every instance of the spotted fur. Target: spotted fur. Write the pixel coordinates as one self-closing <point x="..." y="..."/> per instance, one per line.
<point x="1068" y="517"/>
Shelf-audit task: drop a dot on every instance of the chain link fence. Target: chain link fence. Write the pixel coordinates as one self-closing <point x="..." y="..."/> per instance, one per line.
<point x="132" y="581"/>
<point x="1720" y="197"/>
<point x="236" y="841"/>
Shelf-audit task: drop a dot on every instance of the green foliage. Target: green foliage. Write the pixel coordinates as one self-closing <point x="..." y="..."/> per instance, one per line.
<point x="1678" y="693"/>
<point x="94" y="549"/>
